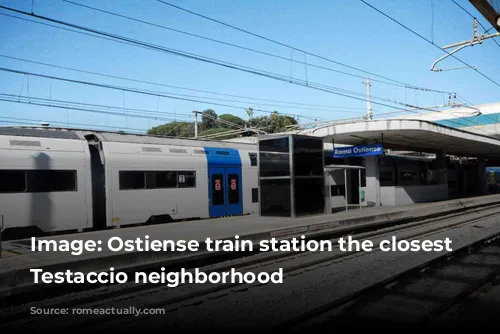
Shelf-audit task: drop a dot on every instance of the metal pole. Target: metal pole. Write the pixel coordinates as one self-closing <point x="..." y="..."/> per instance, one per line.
<point x="359" y="186"/>
<point x="345" y="190"/>
<point x="368" y="103"/>
<point x="195" y="124"/>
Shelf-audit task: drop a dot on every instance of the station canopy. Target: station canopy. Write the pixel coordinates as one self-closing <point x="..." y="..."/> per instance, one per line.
<point x="410" y="135"/>
<point x="490" y="10"/>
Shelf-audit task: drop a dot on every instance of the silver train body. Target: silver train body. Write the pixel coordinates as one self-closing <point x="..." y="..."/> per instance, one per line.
<point x="54" y="180"/>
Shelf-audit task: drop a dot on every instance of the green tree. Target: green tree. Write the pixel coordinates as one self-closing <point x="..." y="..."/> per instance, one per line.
<point x="273" y="123"/>
<point x="173" y="129"/>
<point x="209" y="119"/>
<point x="232" y="119"/>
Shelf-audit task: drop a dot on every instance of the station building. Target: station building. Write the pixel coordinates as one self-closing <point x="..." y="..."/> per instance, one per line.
<point x="391" y="162"/>
<point x="424" y="157"/>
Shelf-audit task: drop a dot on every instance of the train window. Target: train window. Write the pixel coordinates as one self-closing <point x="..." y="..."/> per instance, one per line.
<point x="12" y="181"/>
<point x="150" y="180"/>
<point x="50" y="181"/>
<point x="253" y="159"/>
<point x="191" y="179"/>
<point x="156" y="180"/>
<point x="166" y="179"/>
<point x="132" y="180"/>
<point x="186" y="179"/>
<point x="255" y="195"/>
<point x="234" y="192"/>
<point x="217" y="189"/>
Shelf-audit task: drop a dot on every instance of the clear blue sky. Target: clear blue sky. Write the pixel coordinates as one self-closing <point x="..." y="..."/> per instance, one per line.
<point x="345" y="31"/>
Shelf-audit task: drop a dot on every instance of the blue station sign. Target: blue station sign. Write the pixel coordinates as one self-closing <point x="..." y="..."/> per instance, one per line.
<point x="358" y="151"/>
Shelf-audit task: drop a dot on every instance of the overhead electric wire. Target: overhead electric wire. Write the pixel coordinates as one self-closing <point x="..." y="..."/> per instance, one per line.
<point x="320" y="87"/>
<point x="67" y="105"/>
<point x="98" y="108"/>
<point x="324" y="107"/>
<point x="51" y="103"/>
<point x="430" y="42"/>
<point x="62" y="104"/>
<point x="18" y="120"/>
<point x="271" y="75"/>
<point x="242" y="47"/>
<point x="132" y="42"/>
<point x="482" y="26"/>
<point x="146" y="45"/>
<point x="295" y="48"/>
<point x="101" y="106"/>
<point x="129" y="89"/>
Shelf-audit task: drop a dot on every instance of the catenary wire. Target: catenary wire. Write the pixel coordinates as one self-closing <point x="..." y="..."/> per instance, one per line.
<point x="117" y="38"/>
<point x="430" y="42"/>
<point x="245" y="48"/>
<point x="292" y="47"/>
<point x="324" y="107"/>
<point x="404" y="104"/>
<point x="250" y="70"/>
<point x="132" y="90"/>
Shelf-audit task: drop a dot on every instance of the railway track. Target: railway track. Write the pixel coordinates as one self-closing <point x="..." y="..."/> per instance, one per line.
<point x="54" y="291"/>
<point x="145" y="296"/>
<point x="418" y="297"/>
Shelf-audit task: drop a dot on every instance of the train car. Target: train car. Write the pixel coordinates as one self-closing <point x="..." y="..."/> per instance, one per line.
<point x="44" y="180"/>
<point x="59" y="180"/>
<point x="151" y="179"/>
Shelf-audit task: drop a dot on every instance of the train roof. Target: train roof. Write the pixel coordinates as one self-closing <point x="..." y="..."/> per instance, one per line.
<point x="40" y="133"/>
<point x="155" y="140"/>
<point x="80" y="134"/>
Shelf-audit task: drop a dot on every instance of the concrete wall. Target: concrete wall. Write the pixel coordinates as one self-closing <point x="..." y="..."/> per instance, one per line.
<point x="388" y="196"/>
<point x="372" y="195"/>
<point x="420" y="194"/>
<point x="396" y="196"/>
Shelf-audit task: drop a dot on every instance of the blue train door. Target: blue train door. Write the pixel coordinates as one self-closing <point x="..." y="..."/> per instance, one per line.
<point x="217" y="190"/>
<point x="224" y="182"/>
<point x="233" y="186"/>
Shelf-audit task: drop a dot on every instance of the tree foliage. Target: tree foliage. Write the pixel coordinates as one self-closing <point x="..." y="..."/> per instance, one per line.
<point x="209" y="125"/>
<point x="273" y="123"/>
<point x="231" y="119"/>
<point x="173" y="129"/>
<point x="209" y="119"/>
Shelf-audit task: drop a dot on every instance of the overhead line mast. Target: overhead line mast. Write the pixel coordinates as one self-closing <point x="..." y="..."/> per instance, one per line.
<point x="369" y="114"/>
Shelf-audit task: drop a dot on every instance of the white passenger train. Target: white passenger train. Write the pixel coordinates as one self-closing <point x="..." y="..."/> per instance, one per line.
<point x="54" y="180"/>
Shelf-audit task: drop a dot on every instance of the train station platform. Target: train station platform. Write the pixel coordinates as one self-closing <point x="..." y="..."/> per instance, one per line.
<point x="17" y="257"/>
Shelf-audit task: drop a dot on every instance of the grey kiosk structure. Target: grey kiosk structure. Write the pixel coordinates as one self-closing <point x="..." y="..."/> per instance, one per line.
<point x="291" y="176"/>
<point x="295" y="182"/>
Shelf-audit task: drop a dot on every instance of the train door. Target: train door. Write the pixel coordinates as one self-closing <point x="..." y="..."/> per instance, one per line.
<point x="225" y="191"/>
<point x="233" y="186"/>
<point x="217" y="192"/>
